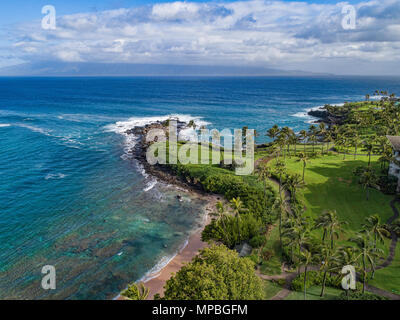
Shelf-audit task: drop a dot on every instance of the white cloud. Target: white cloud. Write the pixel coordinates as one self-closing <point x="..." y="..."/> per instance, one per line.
<point x="268" y="33"/>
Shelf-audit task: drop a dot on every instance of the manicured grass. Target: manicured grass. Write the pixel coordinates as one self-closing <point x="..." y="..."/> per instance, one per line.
<point x="270" y="289"/>
<point x="314" y="292"/>
<point x="331" y="185"/>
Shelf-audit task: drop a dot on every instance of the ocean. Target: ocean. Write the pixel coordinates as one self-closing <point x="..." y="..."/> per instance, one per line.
<point x="72" y="196"/>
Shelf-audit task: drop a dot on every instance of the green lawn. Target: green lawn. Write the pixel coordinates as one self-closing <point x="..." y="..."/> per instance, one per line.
<point x="388" y="278"/>
<point x="331" y="185"/>
<point x="314" y="292"/>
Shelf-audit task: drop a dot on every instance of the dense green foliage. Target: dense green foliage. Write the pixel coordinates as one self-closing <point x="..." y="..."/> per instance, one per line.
<point x="217" y="273"/>
<point x="226" y="231"/>
<point x="357" y="295"/>
<point x="221" y="181"/>
<point x="136" y="292"/>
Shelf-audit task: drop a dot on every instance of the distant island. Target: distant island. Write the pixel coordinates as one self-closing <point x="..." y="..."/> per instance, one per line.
<point x="88" y="69"/>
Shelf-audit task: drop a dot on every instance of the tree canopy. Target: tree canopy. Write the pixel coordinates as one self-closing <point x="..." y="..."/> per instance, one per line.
<point x="217" y="273"/>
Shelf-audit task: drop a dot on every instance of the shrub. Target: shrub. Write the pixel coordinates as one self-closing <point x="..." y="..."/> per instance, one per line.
<point x="217" y="273"/>
<point x="358" y="295"/>
<point x="257" y="241"/>
<point x="216" y="180"/>
<point x="226" y="230"/>
<point x="388" y="184"/>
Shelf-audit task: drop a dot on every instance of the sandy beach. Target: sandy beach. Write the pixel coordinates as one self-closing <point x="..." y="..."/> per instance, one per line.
<point x="157" y="282"/>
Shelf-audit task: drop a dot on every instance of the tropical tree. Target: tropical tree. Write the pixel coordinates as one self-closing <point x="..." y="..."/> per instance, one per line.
<point x="292" y="183"/>
<point x="238" y="208"/>
<point x="369" y="148"/>
<point x="303" y="158"/>
<point x="221" y="215"/>
<point x="368" y="180"/>
<point x="280" y="207"/>
<point x="264" y="172"/>
<point x="136" y="292"/>
<point x="376" y="228"/>
<point x="303" y="136"/>
<point x="366" y="253"/>
<point x="216" y="273"/>
<point x="312" y="134"/>
<point x="273" y="132"/>
<point x="280" y="170"/>
<point x="329" y="263"/>
<point x="322" y="132"/>
<point x="331" y="225"/>
<point x="306" y="259"/>
<point x="347" y="257"/>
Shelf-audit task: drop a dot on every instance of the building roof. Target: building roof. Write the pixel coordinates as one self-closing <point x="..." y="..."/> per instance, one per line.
<point x="395" y="141"/>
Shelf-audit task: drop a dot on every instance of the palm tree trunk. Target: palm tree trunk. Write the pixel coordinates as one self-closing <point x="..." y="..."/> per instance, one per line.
<point x="238" y="226"/>
<point x="305" y="283"/>
<point x="280" y="227"/>
<point x="365" y="275"/>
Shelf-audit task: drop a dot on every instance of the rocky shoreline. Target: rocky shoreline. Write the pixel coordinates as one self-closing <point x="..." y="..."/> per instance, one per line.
<point x="163" y="172"/>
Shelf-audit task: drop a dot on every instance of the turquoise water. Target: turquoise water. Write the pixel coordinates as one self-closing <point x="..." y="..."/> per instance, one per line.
<point x="72" y="197"/>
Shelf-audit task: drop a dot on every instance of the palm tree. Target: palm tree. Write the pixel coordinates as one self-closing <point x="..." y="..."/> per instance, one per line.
<point x="221" y="216"/>
<point x="322" y="222"/>
<point x="136" y="292"/>
<point x="368" y="147"/>
<point x="264" y="173"/>
<point x="280" y="206"/>
<point x="356" y="141"/>
<point x="347" y="257"/>
<point x="367" y="253"/>
<point x="280" y="170"/>
<point x="237" y="206"/>
<point x="285" y="133"/>
<point x="368" y="180"/>
<point x="334" y="225"/>
<point x="303" y="136"/>
<point x="329" y="263"/>
<point x="273" y="132"/>
<point x="313" y="135"/>
<point x="292" y="182"/>
<point x="322" y="132"/>
<point x="306" y="259"/>
<point x="331" y="225"/>
<point x="376" y="228"/>
<point x="303" y="157"/>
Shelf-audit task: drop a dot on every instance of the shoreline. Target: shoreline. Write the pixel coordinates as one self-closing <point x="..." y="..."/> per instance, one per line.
<point x="155" y="282"/>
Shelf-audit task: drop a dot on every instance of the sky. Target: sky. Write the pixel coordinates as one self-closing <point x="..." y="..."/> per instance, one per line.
<point x="288" y="35"/>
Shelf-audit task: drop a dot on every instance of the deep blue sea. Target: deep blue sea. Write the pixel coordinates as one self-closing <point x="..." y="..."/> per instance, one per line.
<point x="72" y="197"/>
